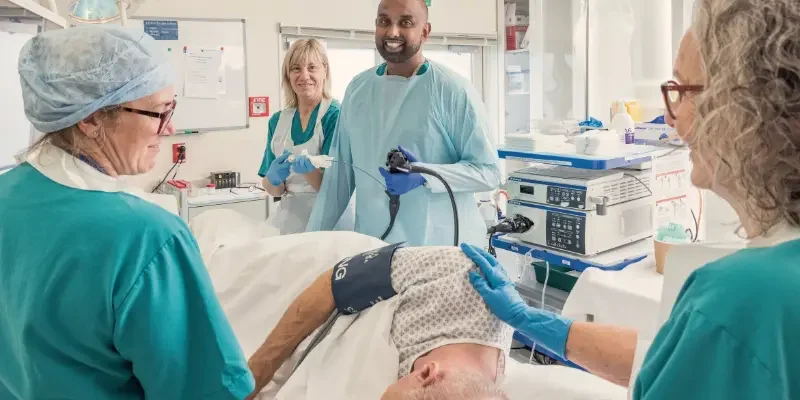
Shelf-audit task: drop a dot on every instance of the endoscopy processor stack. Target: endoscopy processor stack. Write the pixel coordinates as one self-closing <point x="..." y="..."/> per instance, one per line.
<point x="593" y="206"/>
<point x="581" y="211"/>
<point x="568" y="211"/>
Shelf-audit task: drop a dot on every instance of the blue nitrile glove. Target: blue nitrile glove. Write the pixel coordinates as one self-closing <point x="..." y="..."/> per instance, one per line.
<point x="409" y="155"/>
<point x="302" y="165"/>
<point x="279" y="170"/>
<point x="545" y="328"/>
<point x="591" y="122"/>
<point x="401" y="183"/>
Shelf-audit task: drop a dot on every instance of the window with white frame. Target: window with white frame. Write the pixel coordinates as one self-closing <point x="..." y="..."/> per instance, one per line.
<point x="351" y="52"/>
<point x="345" y="65"/>
<point x="348" y="58"/>
<point x="458" y="62"/>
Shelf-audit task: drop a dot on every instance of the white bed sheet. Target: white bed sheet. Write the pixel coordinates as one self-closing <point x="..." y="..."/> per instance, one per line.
<point x="257" y="274"/>
<point x="554" y="382"/>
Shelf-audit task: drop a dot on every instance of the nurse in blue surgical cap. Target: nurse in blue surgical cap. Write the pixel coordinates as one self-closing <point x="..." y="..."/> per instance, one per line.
<point x="103" y="294"/>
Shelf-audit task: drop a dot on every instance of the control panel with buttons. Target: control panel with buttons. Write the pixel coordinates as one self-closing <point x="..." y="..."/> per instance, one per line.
<point x="566" y="197"/>
<point x="566" y="232"/>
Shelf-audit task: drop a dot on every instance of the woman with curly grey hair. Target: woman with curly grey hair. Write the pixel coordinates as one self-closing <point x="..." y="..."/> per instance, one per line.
<point x="733" y="331"/>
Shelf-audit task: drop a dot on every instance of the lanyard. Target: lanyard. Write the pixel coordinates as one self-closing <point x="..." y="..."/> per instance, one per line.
<point x="87" y="160"/>
<point x="93" y="164"/>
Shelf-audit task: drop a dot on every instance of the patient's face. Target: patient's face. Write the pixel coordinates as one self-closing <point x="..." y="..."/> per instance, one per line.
<point x="434" y="382"/>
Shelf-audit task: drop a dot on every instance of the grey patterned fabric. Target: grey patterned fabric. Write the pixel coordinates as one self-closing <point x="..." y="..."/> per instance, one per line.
<point x="438" y="306"/>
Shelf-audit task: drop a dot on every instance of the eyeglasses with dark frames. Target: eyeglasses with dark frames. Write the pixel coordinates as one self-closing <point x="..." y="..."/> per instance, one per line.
<point x="165" y="116"/>
<point x="674" y="93"/>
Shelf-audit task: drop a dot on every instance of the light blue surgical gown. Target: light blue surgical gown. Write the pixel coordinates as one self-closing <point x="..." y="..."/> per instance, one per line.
<point x="734" y="332"/>
<point x="105" y="296"/>
<point x="437" y="115"/>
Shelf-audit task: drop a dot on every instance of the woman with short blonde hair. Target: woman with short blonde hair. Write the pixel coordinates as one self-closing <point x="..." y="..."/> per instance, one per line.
<point x="301" y="52"/>
<point x="303" y="128"/>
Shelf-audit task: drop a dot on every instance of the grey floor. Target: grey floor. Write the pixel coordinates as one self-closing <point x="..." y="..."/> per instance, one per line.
<point x="521" y="353"/>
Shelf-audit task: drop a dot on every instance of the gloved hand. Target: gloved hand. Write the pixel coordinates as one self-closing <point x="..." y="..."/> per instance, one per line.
<point x="409" y="155"/>
<point x="400" y="183"/>
<point x="545" y="328"/>
<point x="279" y="170"/>
<point x="302" y="165"/>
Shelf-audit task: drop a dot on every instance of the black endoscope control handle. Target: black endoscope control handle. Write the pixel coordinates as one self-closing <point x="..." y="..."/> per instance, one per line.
<point x="396" y="161"/>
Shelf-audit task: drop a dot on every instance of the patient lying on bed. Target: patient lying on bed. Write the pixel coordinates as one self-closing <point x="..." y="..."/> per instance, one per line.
<point x="442" y="341"/>
<point x="450" y="346"/>
<point x="259" y="275"/>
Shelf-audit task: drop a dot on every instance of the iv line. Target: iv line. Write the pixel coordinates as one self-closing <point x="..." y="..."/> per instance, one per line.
<point x="365" y="173"/>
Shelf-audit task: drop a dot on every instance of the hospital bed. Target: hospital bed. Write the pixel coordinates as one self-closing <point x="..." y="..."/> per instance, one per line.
<point x="239" y="251"/>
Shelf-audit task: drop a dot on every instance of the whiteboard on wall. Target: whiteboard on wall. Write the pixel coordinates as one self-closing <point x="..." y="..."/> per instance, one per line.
<point x="17" y="131"/>
<point x="210" y="61"/>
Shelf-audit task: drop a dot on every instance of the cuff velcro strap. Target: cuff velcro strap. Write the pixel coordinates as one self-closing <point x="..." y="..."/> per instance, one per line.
<point x="361" y="281"/>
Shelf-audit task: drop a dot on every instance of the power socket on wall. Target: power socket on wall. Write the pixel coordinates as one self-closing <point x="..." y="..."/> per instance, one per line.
<point x="179" y="153"/>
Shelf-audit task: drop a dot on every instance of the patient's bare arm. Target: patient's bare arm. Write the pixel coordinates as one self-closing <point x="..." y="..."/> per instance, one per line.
<point x="306" y="313"/>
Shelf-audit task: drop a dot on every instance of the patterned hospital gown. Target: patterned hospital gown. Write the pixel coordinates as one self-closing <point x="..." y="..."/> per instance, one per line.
<point x="438" y="306"/>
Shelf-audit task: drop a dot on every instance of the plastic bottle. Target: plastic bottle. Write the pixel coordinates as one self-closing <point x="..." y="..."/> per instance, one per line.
<point x="488" y="212"/>
<point x="623" y="123"/>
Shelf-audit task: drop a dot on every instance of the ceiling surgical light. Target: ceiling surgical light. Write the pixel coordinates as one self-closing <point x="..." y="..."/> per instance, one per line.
<point x="99" y="11"/>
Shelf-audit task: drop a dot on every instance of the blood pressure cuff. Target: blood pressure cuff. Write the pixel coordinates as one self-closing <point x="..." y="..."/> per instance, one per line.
<point x="361" y="281"/>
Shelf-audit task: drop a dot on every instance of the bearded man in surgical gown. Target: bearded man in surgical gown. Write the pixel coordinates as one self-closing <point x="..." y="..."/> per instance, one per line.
<point x="438" y="120"/>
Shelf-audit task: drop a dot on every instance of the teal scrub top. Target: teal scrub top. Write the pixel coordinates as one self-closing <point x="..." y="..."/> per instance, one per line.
<point x="299" y="136"/>
<point x="734" y="332"/>
<point x="105" y="296"/>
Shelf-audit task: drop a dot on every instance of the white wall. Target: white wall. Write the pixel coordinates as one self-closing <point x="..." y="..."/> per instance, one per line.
<point x="446" y="16"/>
<point x="242" y="150"/>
